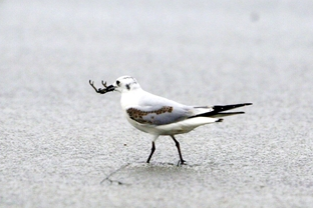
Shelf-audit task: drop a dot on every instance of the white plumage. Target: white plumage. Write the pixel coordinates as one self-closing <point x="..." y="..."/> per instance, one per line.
<point x="160" y="116"/>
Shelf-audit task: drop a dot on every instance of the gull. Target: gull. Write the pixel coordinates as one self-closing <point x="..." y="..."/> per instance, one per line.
<point x="160" y="116"/>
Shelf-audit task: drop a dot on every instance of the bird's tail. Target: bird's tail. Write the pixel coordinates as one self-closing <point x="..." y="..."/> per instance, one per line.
<point x="218" y="115"/>
<point x="217" y="109"/>
<point x="220" y="108"/>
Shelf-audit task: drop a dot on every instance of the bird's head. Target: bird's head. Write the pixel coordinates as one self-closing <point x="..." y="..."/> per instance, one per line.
<point x="125" y="84"/>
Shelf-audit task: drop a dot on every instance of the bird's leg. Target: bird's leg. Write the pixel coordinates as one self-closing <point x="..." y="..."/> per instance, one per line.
<point x="179" y="152"/>
<point x="104" y="90"/>
<point x="152" y="151"/>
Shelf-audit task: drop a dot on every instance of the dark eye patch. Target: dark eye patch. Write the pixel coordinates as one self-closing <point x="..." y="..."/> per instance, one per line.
<point x="118" y="83"/>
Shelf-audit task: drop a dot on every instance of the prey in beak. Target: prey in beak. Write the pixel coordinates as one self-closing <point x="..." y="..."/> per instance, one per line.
<point x="104" y="90"/>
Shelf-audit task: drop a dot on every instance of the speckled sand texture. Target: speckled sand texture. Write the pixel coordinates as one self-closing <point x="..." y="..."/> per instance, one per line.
<point x="63" y="145"/>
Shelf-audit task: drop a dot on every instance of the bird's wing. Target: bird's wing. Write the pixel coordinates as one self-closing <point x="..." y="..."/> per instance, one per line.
<point x="157" y="110"/>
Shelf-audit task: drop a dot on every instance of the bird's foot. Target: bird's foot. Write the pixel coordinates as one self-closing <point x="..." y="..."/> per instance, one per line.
<point x="181" y="162"/>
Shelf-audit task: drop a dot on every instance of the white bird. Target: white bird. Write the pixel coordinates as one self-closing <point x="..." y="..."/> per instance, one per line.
<point x="160" y="116"/>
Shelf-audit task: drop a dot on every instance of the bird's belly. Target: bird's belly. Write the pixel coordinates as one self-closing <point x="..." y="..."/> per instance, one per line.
<point x="147" y="128"/>
<point x="167" y="129"/>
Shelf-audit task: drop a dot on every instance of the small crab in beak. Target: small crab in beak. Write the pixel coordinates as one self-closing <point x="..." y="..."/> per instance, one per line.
<point x="104" y="90"/>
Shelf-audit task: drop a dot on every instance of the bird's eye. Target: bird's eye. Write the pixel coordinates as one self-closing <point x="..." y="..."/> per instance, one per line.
<point x="118" y="83"/>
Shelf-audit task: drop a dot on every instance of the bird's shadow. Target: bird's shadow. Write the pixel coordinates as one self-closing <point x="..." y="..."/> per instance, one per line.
<point x="141" y="172"/>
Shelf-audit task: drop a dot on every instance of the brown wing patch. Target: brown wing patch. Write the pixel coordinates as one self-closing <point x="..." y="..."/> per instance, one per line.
<point x="137" y="115"/>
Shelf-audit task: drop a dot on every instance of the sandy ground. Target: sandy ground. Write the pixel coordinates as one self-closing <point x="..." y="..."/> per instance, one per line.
<point x="63" y="145"/>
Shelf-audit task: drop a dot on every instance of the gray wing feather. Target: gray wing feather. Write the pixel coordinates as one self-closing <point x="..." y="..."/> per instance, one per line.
<point x="157" y="110"/>
<point x="157" y="116"/>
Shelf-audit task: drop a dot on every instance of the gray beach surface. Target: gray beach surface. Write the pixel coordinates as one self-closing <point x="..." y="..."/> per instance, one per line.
<point x="63" y="145"/>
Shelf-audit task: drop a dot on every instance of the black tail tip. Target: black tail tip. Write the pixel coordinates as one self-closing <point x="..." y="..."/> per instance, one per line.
<point x="219" y="120"/>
